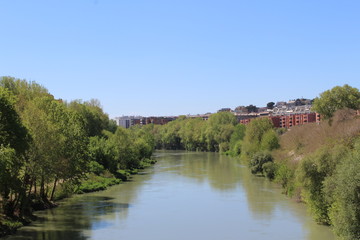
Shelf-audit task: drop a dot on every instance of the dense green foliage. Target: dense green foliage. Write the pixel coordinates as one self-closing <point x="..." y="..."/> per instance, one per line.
<point x="49" y="148"/>
<point x="259" y="136"/>
<point x="335" y="99"/>
<point x="316" y="164"/>
<point x="320" y="165"/>
<point x="195" y="134"/>
<point x="258" y="161"/>
<point x="342" y="192"/>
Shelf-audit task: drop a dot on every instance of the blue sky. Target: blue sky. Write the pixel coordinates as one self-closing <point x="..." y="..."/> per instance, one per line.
<point x="175" y="57"/>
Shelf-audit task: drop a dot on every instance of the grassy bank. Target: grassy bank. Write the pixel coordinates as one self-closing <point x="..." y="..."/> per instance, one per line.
<point x="319" y="165"/>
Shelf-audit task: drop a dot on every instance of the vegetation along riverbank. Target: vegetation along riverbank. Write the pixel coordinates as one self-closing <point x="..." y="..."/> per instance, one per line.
<point x="50" y="149"/>
<point x="318" y="164"/>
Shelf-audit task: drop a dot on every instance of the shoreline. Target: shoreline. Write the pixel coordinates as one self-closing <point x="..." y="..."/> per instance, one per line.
<point x="13" y="224"/>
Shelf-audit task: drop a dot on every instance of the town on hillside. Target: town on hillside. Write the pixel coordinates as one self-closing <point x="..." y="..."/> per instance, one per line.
<point x="282" y="114"/>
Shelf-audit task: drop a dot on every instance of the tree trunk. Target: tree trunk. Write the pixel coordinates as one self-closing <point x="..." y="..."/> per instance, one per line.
<point x="42" y="188"/>
<point x="53" y="190"/>
<point x="35" y="187"/>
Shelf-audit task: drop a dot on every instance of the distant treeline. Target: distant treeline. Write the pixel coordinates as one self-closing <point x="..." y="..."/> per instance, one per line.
<point x="50" y="149"/>
<point x="318" y="164"/>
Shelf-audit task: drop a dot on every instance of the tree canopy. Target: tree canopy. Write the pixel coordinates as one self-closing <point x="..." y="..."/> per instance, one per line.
<point x="337" y="98"/>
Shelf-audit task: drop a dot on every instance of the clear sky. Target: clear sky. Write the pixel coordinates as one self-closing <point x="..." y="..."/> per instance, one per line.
<point x="172" y="57"/>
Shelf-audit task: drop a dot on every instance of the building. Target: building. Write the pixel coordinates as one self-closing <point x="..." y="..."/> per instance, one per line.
<point x="158" y="120"/>
<point x="290" y="110"/>
<point x="127" y="121"/>
<point x="286" y="121"/>
<point x="202" y="116"/>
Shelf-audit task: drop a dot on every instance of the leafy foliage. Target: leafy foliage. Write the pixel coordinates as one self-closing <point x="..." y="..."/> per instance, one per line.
<point x="335" y="99"/>
<point x="46" y="144"/>
<point x="258" y="160"/>
<point x="342" y="191"/>
<point x="254" y="137"/>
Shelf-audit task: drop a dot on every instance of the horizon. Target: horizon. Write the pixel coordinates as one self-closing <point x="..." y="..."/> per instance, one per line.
<point x="183" y="57"/>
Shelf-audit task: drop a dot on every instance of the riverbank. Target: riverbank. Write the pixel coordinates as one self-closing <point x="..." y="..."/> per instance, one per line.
<point x="92" y="183"/>
<point x="318" y="164"/>
<point x="209" y="195"/>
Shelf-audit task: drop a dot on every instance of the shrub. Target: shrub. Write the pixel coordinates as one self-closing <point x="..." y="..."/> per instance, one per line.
<point x="269" y="169"/>
<point x="258" y="160"/>
<point x="285" y="176"/>
<point x="270" y="140"/>
<point x="343" y="192"/>
<point x="96" y="168"/>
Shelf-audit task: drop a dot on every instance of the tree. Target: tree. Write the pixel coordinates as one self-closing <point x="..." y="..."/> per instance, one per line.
<point x="251" y="108"/>
<point x="254" y="133"/>
<point x="220" y="127"/>
<point x="312" y="172"/>
<point x="258" y="160"/>
<point x="236" y="139"/>
<point x="191" y="133"/>
<point x="335" y="99"/>
<point x="94" y="118"/>
<point x="270" y="105"/>
<point x="270" y="140"/>
<point x="14" y="141"/>
<point x="59" y="144"/>
<point x="343" y="192"/>
<point x="12" y="131"/>
<point x="23" y="90"/>
<point x="169" y="134"/>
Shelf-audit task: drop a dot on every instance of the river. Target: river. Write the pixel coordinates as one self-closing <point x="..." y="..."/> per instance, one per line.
<point x="185" y="195"/>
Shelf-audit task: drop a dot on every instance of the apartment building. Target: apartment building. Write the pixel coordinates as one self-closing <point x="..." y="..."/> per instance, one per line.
<point x="128" y="121"/>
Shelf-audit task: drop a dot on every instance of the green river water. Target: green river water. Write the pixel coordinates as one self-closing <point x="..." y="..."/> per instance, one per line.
<point x="185" y="195"/>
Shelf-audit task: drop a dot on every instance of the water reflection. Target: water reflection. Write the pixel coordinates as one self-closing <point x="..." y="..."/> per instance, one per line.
<point x="217" y="169"/>
<point x="71" y="219"/>
<point x="186" y="195"/>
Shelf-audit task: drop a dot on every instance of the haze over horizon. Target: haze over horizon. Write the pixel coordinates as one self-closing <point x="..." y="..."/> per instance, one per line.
<point x="162" y="58"/>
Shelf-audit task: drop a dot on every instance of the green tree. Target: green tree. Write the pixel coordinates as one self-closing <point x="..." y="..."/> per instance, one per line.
<point x="236" y="139"/>
<point x="12" y="131"/>
<point x="169" y="133"/>
<point x="311" y="174"/>
<point x="220" y="127"/>
<point x="14" y="141"/>
<point x="270" y="105"/>
<point x="270" y="140"/>
<point x="251" y="108"/>
<point x="343" y="192"/>
<point x="254" y="133"/>
<point x="258" y="160"/>
<point x="23" y="91"/>
<point x="95" y="120"/>
<point x="191" y="134"/>
<point x="59" y="144"/>
<point x="337" y="98"/>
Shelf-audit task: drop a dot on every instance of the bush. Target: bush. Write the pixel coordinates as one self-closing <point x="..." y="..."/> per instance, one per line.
<point x="224" y="147"/>
<point x="258" y="160"/>
<point x="96" y="168"/>
<point x="270" y="140"/>
<point x="65" y="190"/>
<point x="147" y="162"/>
<point x="343" y="192"/>
<point x="122" y="174"/>
<point x="285" y="176"/>
<point x="269" y="169"/>
<point x="97" y="183"/>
